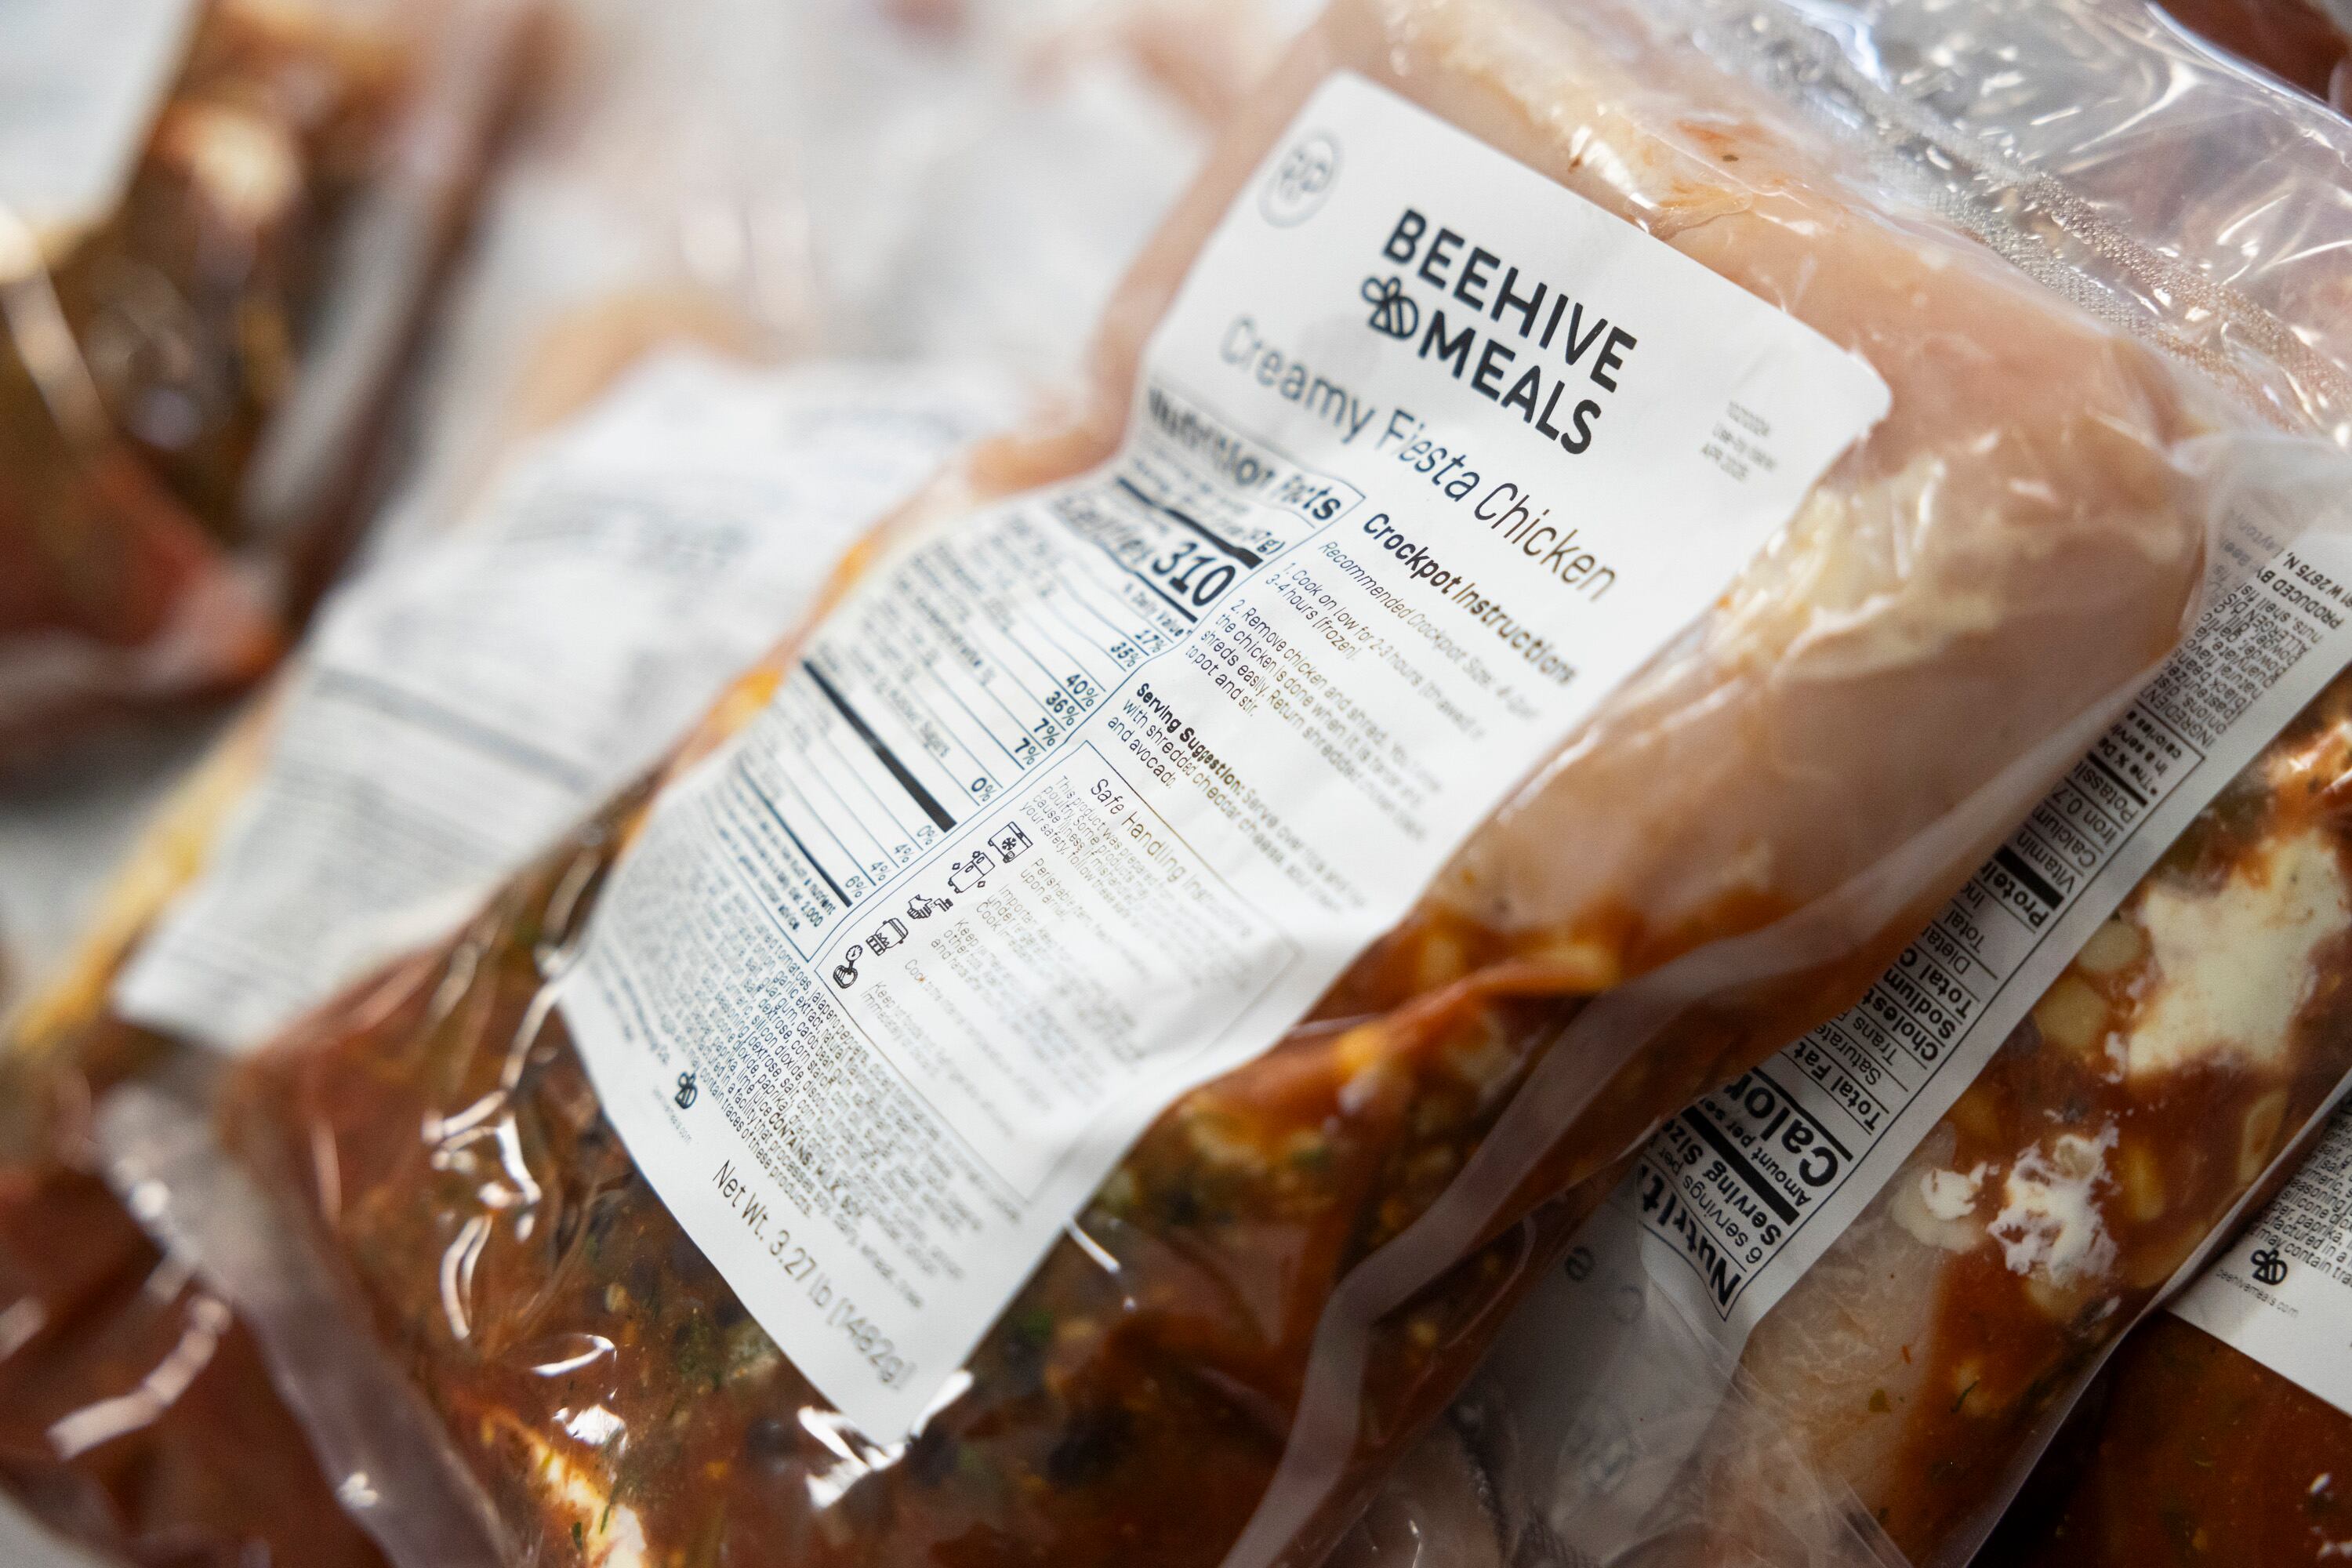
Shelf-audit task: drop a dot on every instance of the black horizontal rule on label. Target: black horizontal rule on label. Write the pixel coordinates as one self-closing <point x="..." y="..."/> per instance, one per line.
<point x="1247" y="557"/>
<point x="2095" y="760"/>
<point x="799" y="845"/>
<point x="923" y="798"/>
<point x="2008" y="860"/>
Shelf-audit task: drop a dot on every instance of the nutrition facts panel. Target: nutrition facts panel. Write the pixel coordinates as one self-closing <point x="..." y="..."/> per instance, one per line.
<point x="1082" y="797"/>
<point x="986" y="649"/>
<point x="1750" y="1185"/>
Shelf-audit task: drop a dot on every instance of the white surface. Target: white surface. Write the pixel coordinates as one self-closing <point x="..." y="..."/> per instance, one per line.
<point x="80" y="81"/>
<point x="24" y="1544"/>
<point x="1084" y="799"/>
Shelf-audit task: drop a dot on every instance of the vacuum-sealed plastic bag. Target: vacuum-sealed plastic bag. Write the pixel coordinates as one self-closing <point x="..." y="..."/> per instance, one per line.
<point x="77" y="1272"/>
<point x="2306" y="42"/>
<point x="217" y="218"/>
<point x="455" y="710"/>
<point x="1805" y="1330"/>
<point x="1568" y="566"/>
<point x="1840" y="1305"/>
<point x="2226" y="1433"/>
<point x="556" y="594"/>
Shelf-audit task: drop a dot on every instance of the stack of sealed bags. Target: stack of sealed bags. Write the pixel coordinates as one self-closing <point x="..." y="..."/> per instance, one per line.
<point x="620" y="494"/>
<point x="1585" y="532"/>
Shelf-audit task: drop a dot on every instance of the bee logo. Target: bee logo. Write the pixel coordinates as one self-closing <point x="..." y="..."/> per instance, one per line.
<point x="1393" y="311"/>
<point x="687" y="1091"/>
<point x="2270" y="1268"/>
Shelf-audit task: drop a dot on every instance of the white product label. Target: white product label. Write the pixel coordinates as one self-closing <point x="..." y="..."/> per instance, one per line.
<point x="1739" y="1195"/>
<point x="80" y="81"/>
<point x="1083" y="799"/>
<point x="459" y="707"/>
<point x="2283" y="1294"/>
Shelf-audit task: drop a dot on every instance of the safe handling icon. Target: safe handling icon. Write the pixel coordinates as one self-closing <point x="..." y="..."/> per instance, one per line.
<point x="1009" y="842"/>
<point x="968" y="876"/>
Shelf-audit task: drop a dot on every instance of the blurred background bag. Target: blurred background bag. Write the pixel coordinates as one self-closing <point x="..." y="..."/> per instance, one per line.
<point x="218" y="219"/>
<point x="637" y="448"/>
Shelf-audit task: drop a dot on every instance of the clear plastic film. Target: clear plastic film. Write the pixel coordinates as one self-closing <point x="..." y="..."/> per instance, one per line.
<point x="636" y="366"/>
<point x="1893" y="1401"/>
<point x="2200" y="1434"/>
<point x="1893" y="1398"/>
<point x="2305" y="42"/>
<point x="214" y="253"/>
<point x="1295" y="1266"/>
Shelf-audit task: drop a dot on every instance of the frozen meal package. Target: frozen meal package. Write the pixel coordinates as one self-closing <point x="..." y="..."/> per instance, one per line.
<point x="217" y="221"/>
<point x="1571" y="560"/>
<point x="641" y="449"/>
<point x="2306" y="42"/>
<point x="2226" y="1433"/>
<point x="1838" y="1306"/>
<point x="453" y="711"/>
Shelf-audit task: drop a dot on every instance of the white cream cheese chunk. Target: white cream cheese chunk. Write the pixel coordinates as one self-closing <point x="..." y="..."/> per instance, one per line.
<point x="1938" y="1208"/>
<point x="2233" y="964"/>
<point x="1949" y="1194"/>
<point x="2049" y="1221"/>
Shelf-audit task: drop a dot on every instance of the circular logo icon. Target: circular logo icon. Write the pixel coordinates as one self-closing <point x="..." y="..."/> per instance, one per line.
<point x="1296" y="191"/>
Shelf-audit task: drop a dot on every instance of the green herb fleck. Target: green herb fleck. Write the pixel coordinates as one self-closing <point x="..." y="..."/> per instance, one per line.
<point x="1033" y="1328"/>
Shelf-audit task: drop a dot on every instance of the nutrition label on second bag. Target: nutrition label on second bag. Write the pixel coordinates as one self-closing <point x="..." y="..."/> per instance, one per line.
<point x="1084" y="798"/>
<point x="462" y="704"/>
<point x="2282" y="1293"/>
<point x="1742" y="1192"/>
<point x="1738" y="1197"/>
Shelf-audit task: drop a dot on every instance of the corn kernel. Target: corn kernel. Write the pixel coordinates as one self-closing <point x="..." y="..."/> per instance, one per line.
<point x="2141" y="1176"/>
<point x="2071" y="1015"/>
<point x="2258" y="1138"/>
<point x="2116" y="945"/>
